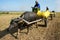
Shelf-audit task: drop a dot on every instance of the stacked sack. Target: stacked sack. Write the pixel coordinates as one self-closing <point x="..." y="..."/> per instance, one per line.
<point x="45" y="14"/>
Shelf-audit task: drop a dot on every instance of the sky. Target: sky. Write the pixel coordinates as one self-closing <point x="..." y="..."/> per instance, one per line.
<point x="25" y="5"/>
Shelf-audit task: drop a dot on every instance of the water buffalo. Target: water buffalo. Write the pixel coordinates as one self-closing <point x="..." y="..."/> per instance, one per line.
<point x="28" y="16"/>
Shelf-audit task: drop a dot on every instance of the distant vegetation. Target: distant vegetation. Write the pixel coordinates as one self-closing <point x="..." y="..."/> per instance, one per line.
<point x="17" y="13"/>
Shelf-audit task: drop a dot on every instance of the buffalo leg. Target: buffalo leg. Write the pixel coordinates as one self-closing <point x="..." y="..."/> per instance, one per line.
<point x="36" y="25"/>
<point x="28" y="28"/>
<point x="45" y="21"/>
<point x="18" y="34"/>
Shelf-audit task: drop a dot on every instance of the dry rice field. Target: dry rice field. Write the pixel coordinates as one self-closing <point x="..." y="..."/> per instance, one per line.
<point x="51" y="32"/>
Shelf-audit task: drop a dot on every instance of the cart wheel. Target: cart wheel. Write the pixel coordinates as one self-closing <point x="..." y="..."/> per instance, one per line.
<point x="45" y="21"/>
<point x="51" y="16"/>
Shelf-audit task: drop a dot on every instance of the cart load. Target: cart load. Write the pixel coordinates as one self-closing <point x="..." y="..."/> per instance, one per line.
<point x="45" y="14"/>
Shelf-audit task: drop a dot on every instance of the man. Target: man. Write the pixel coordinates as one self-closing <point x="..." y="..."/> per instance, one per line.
<point x="36" y="7"/>
<point x="47" y="8"/>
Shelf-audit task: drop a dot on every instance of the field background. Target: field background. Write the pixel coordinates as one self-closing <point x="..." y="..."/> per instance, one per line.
<point x="51" y="32"/>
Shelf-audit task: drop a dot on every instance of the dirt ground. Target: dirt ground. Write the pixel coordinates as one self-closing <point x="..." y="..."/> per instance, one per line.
<point x="51" y="32"/>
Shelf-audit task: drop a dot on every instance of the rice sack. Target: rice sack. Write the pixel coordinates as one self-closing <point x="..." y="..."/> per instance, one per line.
<point x="45" y="14"/>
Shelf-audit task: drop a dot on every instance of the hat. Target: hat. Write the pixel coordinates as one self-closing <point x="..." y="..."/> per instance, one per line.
<point x="36" y="1"/>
